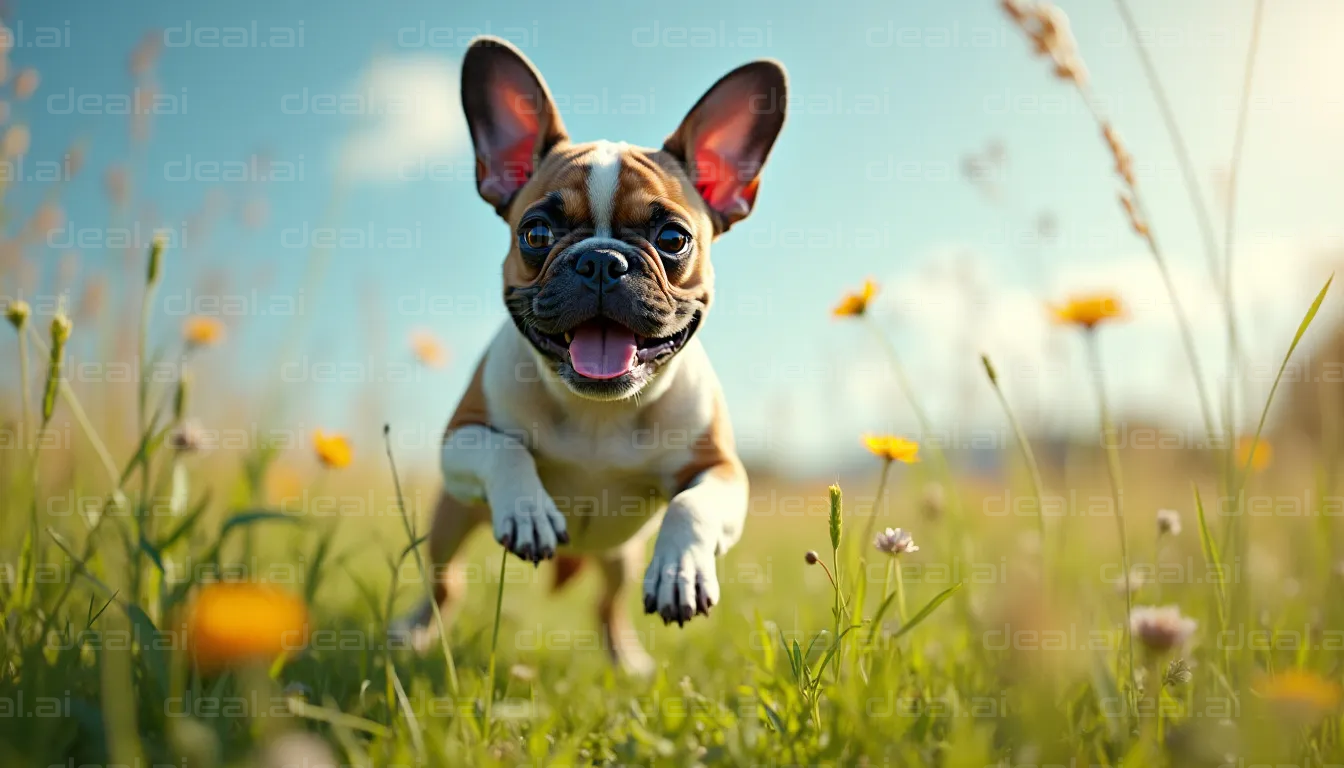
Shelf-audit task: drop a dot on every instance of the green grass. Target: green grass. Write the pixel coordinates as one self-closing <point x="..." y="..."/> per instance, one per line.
<point x="998" y="677"/>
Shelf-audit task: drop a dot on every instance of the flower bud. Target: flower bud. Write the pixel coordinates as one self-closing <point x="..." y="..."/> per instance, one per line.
<point x="17" y="313"/>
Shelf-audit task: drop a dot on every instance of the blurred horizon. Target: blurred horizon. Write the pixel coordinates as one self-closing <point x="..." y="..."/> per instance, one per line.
<point x="314" y="178"/>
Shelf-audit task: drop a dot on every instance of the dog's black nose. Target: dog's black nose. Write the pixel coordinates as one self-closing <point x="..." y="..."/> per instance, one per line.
<point x="601" y="267"/>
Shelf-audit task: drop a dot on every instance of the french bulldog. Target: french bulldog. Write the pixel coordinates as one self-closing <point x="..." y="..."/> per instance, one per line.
<point x="594" y="418"/>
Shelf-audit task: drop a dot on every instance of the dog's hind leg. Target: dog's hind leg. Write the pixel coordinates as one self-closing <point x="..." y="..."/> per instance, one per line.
<point x="619" y="571"/>
<point x="453" y="523"/>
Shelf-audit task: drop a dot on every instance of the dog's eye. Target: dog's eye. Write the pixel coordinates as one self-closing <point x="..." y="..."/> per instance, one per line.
<point x="536" y="235"/>
<point x="672" y="239"/>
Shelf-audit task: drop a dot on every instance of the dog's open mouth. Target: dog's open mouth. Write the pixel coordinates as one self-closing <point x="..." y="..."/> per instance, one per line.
<point x="603" y="349"/>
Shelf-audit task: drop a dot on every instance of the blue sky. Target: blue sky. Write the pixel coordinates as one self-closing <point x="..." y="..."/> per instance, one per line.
<point x="888" y="99"/>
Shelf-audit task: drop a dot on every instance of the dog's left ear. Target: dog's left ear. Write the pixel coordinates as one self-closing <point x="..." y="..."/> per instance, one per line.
<point x="724" y="140"/>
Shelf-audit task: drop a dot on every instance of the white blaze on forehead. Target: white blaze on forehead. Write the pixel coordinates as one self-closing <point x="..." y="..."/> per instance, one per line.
<point x="604" y="172"/>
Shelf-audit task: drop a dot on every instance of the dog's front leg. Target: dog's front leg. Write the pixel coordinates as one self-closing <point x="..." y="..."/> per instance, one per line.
<point x="703" y="521"/>
<point x="480" y="464"/>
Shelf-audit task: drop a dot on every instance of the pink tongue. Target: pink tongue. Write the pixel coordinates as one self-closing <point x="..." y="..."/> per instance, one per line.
<point x="602" y="350"/>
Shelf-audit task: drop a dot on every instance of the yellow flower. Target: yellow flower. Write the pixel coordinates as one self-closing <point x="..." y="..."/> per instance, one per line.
<point x="428" y="350"/>
<point x="233" y="623"/>
<point x="1264" y="453"/>
<point x="892" y="448"/>
<point x="1089" y="310"/>
<point x="856" y="304"/>
<point x="333" y="450"/>
<point x="203" y="331"/>
<point x="1299" y="693"/>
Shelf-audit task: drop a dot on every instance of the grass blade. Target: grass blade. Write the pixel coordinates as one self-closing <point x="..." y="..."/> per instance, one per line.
<point x="924" y="612"/>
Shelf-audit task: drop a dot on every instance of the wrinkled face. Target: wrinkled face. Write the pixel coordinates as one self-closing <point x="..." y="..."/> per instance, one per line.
<point x="608" y="273"/>
<point x="608" y="276"/>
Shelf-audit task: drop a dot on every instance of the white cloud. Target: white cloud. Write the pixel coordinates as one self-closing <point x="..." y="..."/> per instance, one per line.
<point x="414" y="117"/>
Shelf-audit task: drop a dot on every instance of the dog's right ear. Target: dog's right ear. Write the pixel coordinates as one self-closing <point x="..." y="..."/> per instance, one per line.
<point x="511" y="116"/>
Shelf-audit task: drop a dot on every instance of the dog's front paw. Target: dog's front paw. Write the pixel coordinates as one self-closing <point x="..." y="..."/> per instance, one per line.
<point x="528" y="524"/>
<point x="681" y="581"/>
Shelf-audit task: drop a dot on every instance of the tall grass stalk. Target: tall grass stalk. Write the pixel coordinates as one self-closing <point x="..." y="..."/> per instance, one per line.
<point x="944" y="467"/>
<point x="73" y="403"/>
<point x="494" y="645"/>
<point x="925" y="425"/>
<point x="1229" y="248"/>
<point x="1027" y="455"/>
<point x="413" y="541"/>
<point x="1241" y="541"/>
<point x="1117" y="494"/>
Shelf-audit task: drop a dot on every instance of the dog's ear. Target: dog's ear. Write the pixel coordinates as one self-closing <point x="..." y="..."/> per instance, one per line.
<point x="511" y="116"/>
<point x="724" y="140"/>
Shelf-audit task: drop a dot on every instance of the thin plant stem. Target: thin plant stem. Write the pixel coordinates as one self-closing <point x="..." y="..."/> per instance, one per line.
<point x="1027" y="455"/>
<point x="1169" y="285"/>
<point x="494" y="643"/>
<point x="877" y="499"/>
<point x="944" y="468"/>
<point x="1229" y="234"/>
<point x="72" y="402"/>
<point x="26" y="387"/>
<point x="1113" y="471"/>
<point x="900" y="590"/>
<point x="425" y="576"/>
<point x="886" y="581"/>
<point x="1182" y="153"/>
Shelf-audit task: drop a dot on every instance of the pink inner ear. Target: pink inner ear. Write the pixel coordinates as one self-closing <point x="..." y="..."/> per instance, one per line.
<point x="509" y="161"/>
<point x="720" y="177"/>
<point x="717" y="180"/>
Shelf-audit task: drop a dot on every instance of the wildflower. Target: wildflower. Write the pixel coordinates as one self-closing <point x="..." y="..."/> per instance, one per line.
<point x="25" y="84"/>
<point x="1299" y="693"/>
<point x="201" y="331"/>
<point x="17" y="313"/>
<point x="232" y="623"/>
<point x="428" y="350"/>
<point x="895" y="541"/>
<point x="811" y="557"/>
<point x="1089" y="310"/>
<point x="187" y="438"/>
<point x="856" y="304"/>
<point x="1260" y="458"/>
<point x="1161" y="629"/>
<point x="1168" y="522"/>
<point x="333" y="450"/>
<point x="1132" y="582"/>
<point x="523" y="673"/>
<point x="892" y="448"/>
<point x="1178" y="673"/>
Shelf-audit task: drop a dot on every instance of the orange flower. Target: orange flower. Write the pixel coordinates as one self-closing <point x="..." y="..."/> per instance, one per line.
<point x="233" y="623"/>
<point x="1299" y="693"/>
<point x="1089" y="310"/>
<point x="203" y="331"/>
<point x="1264" y="453"/>
<point x="856" y="304"/>
<point x="892" y="448"/>
<point x="333" y="450"/>
<point x="428" y="350"/>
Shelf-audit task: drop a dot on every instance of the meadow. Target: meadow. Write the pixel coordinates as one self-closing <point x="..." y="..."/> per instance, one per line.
<point x="176" y="595"/>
